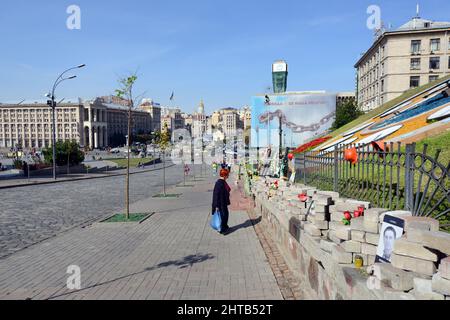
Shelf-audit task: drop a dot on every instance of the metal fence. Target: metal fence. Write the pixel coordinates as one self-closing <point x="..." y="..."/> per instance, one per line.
<point x="398" y="178"/>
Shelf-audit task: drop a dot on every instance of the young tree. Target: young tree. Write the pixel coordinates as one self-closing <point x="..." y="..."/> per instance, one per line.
<point x="126" y="86"/>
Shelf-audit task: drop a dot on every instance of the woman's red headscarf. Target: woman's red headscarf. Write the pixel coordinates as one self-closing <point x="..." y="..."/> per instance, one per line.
<point x="224" y="173"/>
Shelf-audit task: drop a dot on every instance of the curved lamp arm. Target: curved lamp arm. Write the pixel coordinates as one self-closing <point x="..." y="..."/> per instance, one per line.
<point x="61" y="79"/>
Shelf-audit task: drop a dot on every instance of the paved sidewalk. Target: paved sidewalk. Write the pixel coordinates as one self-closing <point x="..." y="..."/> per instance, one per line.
<point x="172" y="255"/>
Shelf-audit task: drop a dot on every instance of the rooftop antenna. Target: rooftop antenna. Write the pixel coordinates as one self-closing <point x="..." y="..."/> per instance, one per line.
<point x="416" y="17"/>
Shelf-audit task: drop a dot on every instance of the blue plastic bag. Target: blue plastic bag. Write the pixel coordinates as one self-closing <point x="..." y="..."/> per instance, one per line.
<point x="216" y="221"/>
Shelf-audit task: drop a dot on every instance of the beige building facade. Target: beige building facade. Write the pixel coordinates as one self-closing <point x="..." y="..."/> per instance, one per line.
<point x="413" y="55"/>
<point x="342" y="97"/>
<point x="30" y="125"/>
<point x="92" y="124"/>
<point x="154" y="109"/>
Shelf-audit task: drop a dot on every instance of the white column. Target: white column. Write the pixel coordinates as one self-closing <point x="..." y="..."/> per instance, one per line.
<point x="95" y="138"/>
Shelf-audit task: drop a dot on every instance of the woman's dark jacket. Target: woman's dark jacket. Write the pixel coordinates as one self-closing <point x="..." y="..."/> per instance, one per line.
<point x="221" y="197"/>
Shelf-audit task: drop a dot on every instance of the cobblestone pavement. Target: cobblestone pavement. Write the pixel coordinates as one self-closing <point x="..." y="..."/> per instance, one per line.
<point x="6" y="183"/>
<point x="288" y="284"/>
<point x="31" y="214"/>
<point x="172" y="255"/>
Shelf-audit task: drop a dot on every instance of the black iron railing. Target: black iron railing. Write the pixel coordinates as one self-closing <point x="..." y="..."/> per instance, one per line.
<point x="398" y="178"/>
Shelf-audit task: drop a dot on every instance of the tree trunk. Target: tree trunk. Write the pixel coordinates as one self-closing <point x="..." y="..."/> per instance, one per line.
<point x="127" y="191"/>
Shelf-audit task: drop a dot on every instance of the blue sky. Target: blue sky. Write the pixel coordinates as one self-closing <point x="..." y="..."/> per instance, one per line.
<point x="220" y="51"/>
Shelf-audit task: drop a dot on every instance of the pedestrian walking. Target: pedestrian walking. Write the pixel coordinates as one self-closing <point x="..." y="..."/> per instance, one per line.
<point x="221" y="199"/>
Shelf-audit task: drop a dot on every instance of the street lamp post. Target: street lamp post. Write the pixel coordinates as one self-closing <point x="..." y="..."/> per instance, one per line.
<point x="280" y="148"/>
<point x="203" y="150"/>
<point x="280" y="133"/>
<point x="52" y="103"/>
<point x="193" y="158"/>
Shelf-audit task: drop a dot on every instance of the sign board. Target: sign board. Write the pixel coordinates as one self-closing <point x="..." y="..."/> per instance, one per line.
<point x="279" y="67"/>
<point x="304" y="116"/>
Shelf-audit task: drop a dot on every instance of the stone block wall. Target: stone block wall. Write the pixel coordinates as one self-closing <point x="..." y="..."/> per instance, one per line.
<point x="321" y="251"/>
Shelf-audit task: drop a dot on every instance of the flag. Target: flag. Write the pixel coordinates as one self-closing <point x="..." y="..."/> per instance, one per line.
<point x="171" y="97"/>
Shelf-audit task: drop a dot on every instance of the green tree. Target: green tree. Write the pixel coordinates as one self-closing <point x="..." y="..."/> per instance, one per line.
<point x="67" y="153"/>
<point x="143" y="138"/>
<point x="346" y="112"/>
<point x="163" y="141"/>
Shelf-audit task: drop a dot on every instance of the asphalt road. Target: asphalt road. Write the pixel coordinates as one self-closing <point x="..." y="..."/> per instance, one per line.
<point x="34" y="213"/>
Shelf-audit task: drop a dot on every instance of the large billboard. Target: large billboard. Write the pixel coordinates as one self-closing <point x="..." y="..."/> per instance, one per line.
<point x="303" y="116"/>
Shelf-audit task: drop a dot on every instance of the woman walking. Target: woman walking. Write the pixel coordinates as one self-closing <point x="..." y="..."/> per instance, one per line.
<point x="221" y="199"/>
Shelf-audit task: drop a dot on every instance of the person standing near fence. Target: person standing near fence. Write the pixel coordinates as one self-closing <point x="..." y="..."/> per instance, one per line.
<point x="221" y="199"/>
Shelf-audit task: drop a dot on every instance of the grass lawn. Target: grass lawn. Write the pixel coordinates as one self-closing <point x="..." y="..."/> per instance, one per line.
<point x="442" y="142"/>
<point x="133" y="161"/>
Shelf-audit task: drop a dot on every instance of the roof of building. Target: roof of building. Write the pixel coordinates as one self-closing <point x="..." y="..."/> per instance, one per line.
<point x="40" y="102"/>
<point x="415" y="25"/>
<point x="418" y="23"/>
<point x="120" y="107"/>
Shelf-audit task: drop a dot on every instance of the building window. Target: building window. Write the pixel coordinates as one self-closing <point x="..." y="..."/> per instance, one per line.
<point x="415" y="46"/>
<point x="435" y="45"/>
<point x="414" y="82"/>
<point x="433" y="78"/>
<point x="435" y="62"/>
<point x="415" y="64"/>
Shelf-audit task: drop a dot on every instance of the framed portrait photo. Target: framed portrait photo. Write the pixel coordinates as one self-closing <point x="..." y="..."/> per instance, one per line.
<point x="391" y="230"/>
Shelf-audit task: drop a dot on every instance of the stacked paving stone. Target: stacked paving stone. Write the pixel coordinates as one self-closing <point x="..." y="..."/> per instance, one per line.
<point x="420" y="262"/>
